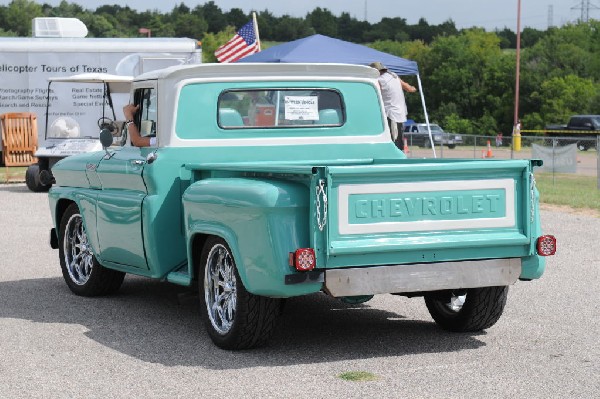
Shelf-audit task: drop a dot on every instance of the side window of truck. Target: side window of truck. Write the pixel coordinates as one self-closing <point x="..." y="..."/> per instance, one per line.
<point x="146" y="118"/>
<point x="280" y="108"/>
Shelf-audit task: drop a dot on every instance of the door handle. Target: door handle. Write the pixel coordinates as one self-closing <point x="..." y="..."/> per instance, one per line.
<point x="138" y="162"/>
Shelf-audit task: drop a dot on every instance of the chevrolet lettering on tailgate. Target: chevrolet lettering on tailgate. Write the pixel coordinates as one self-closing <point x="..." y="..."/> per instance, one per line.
<point x="445" y="205"/>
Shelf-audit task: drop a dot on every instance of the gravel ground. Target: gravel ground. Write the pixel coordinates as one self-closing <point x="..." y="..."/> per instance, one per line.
<point x="147" y="341"/>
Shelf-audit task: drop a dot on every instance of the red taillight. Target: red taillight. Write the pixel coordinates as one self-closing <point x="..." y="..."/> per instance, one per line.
<point x="303" y="259"/>
<point x="546" y="245"/>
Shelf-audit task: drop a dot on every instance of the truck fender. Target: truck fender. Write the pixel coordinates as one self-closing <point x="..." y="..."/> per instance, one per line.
<point x="262" y="221"/>
<point x="61" y="197"/>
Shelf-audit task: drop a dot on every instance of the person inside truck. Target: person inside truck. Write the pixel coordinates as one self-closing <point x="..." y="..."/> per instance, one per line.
<point x="137" y="140"/>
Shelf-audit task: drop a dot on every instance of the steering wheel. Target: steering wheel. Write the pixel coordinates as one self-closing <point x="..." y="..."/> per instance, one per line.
<point x="107" y="123"/>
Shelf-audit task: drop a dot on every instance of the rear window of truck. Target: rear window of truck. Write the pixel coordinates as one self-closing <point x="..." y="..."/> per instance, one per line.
<point x="280" y="108"/>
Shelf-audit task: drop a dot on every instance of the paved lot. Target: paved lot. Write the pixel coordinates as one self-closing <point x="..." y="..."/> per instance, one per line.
<point x="147" y="341"/>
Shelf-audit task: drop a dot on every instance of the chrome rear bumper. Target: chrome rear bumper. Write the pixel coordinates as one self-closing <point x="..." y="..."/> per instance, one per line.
<point x="422" y="277"/>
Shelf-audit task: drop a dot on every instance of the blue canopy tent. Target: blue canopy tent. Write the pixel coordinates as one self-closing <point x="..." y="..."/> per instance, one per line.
<point x="325" y="49"/>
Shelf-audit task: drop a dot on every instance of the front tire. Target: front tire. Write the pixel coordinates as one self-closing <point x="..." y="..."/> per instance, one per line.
<point x="234" y="318"/>
<point x="80" y="268"/>
<point x="475" y="309"/>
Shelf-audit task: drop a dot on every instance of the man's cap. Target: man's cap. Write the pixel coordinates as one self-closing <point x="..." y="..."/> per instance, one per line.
<point x="378" y="65"/>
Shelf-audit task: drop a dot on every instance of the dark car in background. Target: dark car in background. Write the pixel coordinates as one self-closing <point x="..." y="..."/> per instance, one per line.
<point x="417" y="134"/>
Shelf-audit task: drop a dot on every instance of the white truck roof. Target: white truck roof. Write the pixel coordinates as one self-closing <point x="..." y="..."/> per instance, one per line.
<point x="261" y="70"/>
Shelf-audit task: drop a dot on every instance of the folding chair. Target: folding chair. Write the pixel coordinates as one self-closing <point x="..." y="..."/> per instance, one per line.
<point x="19" y="138"/>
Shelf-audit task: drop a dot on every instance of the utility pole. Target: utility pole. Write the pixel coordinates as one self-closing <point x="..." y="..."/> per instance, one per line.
<point x="550" y="16"/>
<point x="516" y="146"/>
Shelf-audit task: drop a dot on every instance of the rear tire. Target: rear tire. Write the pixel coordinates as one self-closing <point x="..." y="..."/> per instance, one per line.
<point x="234" y="318"/>
<point x="32" y="179"/>
<point x="582" y="146"/>
<point x="473" y="310"/>
<point x="452" y="146"/>
<point x="81" y="271"/>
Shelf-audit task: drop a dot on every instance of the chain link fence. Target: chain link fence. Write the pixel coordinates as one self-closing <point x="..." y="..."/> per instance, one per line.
<point x="565" y="155"/>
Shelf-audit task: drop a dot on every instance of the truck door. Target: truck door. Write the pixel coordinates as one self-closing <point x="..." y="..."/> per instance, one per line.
<point x="119" y="207"/>
<point x="120" y="220"/>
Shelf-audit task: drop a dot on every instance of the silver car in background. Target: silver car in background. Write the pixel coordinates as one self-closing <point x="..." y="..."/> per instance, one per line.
<point x="417" y="134"/>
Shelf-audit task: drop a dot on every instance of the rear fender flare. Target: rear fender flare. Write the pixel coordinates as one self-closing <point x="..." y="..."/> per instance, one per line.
<point x="262" y="221"/>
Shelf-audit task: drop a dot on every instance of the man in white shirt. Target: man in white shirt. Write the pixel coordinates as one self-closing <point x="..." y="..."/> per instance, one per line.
<point x="392" y="92"/>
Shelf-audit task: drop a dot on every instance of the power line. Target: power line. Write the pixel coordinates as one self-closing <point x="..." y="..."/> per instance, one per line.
<point x="585" y="8"/>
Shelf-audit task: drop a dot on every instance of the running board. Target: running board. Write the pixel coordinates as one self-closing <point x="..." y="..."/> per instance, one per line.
<point x="180" y="277"/>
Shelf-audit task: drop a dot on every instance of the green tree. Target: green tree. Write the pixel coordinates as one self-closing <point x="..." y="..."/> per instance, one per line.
<point x="266" y="22"/>
<point x="212" y="41"/>
<point x="454" y="123"/>
<point x="508" y="38"/>
<point x="213" y="14"/>
<point x="19" y="14"/>
<point x="387" y="29"/>
<point x="290" y="28"/>
<point x="565" y="96"/>
<point x="99" y="26"/>
<point x="350" y="29"/>
<point x="570" y="50"/>
<point x="66" y="10"/>
<point x="529" y="37"/>
<point x="323" y="21"/>
<point x="236" y="17"/>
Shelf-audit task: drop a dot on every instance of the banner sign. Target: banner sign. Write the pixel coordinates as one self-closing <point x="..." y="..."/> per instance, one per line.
<point x="559" y="159"/>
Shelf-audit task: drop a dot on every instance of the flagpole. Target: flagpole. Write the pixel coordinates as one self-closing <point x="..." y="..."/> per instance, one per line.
<point x="255" y="23"/>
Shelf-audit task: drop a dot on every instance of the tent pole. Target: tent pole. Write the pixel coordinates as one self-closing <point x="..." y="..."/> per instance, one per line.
<point x="426" y="116"/>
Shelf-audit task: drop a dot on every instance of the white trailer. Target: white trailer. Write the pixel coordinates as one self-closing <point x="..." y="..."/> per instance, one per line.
<point x="26" y="64"/>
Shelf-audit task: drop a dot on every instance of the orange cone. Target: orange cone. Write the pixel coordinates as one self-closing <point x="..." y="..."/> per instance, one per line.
<point x="489" y="150"/>
<point x="405" y="149"/>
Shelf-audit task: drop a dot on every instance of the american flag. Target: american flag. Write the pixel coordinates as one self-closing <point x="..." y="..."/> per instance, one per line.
<point x="242" y="44"/>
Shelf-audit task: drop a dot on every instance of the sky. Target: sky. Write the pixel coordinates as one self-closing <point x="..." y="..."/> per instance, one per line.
<point x="489" y="14"/>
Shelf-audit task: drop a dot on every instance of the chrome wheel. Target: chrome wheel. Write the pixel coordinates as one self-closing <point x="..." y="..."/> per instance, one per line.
<point x="220" y="288"/>
<point x="77" y="251"/>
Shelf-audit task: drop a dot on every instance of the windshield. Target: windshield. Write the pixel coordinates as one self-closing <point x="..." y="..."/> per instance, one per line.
<point x="76" y="110"/>
<point x="434" y="128"/>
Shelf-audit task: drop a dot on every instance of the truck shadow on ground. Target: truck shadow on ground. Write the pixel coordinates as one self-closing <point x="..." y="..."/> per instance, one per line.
<point x="160" y="323"/>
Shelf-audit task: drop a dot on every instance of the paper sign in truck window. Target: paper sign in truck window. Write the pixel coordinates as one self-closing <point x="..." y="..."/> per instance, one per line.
<point x="302" y="108"/>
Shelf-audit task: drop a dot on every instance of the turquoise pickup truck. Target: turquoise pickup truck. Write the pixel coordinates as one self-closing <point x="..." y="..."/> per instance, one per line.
<point x="270" y="181"/>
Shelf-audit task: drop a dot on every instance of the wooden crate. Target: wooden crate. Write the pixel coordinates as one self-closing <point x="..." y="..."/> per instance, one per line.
<point x="19" y="138"/>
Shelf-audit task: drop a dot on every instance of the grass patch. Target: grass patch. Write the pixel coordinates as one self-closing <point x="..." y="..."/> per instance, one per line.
<point x="578" y="192"/>
<point x="12" y="174"/>
<point x="357" y="376"/>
